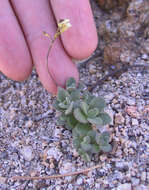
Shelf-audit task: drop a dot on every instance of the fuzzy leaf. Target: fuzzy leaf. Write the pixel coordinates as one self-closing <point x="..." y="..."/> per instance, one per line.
<point x="106" y="148"/>
<point x="55" y="104"/>
<point x="92" y="135"/>
<point x="62" y="94"/>
<point x="106" y="119"/>
<point x="81" y="130"/>
<point x="86" y="157"/>
<point x="63" y="105"/>
<point x="97" y="102"/>
<point x="84" y="107"/>
<point x="103" y="139"/>
<point x="59" y="122"/>
<point x="87" y="97"/>
<point x="95" y="148"/>
<point x="69" y="110"/>
<point x="80" y="116"/>
<point x="71" y="122"/>
<point x="95" y="121"/>
<point x="75" y="95"/>
<point x="92" y="113"/>
<point x="87" y="139"/>
<point x="86" y="147"/>
<point x="71" y="84"/>
<point x="77" y="104"/>
<point x="106" y="136"/>
<point x="76" y="143"/>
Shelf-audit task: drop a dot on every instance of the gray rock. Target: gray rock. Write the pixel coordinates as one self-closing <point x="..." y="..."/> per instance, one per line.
<point x="79" y="181"/>
<point x="27" y="153"/>
<point x="135" y="181"/>
<point x="53" y="152"/>
<point x="143" y="176"/>
<point x="142" y="187"/>
<point x="2" y="180"/>
<point x="125" y="186"/>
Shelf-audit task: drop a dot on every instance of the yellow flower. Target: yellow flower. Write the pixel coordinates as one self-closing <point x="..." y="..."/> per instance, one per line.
<point x="64" y="25"/>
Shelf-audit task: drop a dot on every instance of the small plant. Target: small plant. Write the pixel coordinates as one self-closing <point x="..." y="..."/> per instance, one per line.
<point x="83" y="113"/>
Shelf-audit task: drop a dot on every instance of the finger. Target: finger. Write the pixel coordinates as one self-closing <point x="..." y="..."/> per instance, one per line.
<point x="15" y="60"/>
<point x="81" y="39"/>
<point x="37" y="19"/>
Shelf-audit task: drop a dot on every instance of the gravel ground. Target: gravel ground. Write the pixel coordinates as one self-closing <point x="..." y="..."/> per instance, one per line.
<point x="32" y="144"/>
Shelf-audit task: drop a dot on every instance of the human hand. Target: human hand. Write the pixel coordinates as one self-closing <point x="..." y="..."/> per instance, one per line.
<point x="22" y="41"/>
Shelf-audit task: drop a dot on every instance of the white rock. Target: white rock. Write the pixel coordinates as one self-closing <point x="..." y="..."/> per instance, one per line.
<point x="58" y="187"/>
<point x="67" y="167"/>
<point x="134" y="121"/>
<point x="125" y="186"/>
<point x="53" y="152"/>
<point x="142" y="187"/>
<point x="131" y="101"/>
<point x="27" y="153"/>
<point x="79" y="181"/>
<point x="2" y="180"/>
<point x="135" y="181"/>
<point x="143" y="176"/>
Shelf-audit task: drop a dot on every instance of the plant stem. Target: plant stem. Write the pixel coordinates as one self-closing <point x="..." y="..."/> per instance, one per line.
<point x="55" y="176"/>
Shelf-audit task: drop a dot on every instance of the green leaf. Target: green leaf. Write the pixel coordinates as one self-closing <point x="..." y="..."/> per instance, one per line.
<point x="95" y="148"/>
<point x="60" y="122"/>
<point x="76" y="143"/>
<point x="106" y="148"/>
<point x="106" y="136"/>
<point x="71" y="121"/>
<point x="84" y="107"/>
<point x="69" y="110"/>
<point x="87" y="139"/>
<point x="55" y="105"/>
<point x="86" y="147"/>
<point x="71" y="84"/>
<point x="92" y="113"/>
<point x="81" y="129"/>
<point x="92" y="135"/>
<point x="97" y="102"/>
<point x="86" y="157"/>
<point x="106" y="119"/>
<point x="75" y="95"/>
<point x="103" y="139"/>
<point x="81" y="86"/>
<point x="63" y="105"/>
<point x="62" y="94"/>
<point x="79" y="116"/>
<point x="87" y="97"/>
<point x="95" y="121"/>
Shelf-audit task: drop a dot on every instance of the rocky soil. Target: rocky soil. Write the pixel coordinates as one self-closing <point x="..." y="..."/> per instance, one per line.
<point x="32" y="145"/>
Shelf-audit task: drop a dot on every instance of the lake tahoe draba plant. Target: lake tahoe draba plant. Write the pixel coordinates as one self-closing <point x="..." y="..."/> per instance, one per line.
<point x="81" y="112"/>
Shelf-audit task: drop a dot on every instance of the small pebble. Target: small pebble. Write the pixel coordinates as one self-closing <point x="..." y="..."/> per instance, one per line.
<point x="125" y="186"/>
<point x="79" y="181"/>
<point x="134" y="121"/>
<point x="132" y="111"/>
<point x="119" y="119"/>
<point x="143" y="176"/>
<point x="27" y="153"/>
<point x="2" y="180"/>
<point x="135" y="181"/>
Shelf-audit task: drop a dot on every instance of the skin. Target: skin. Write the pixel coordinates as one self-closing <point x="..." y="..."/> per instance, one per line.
<point x="23" y="45"/>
